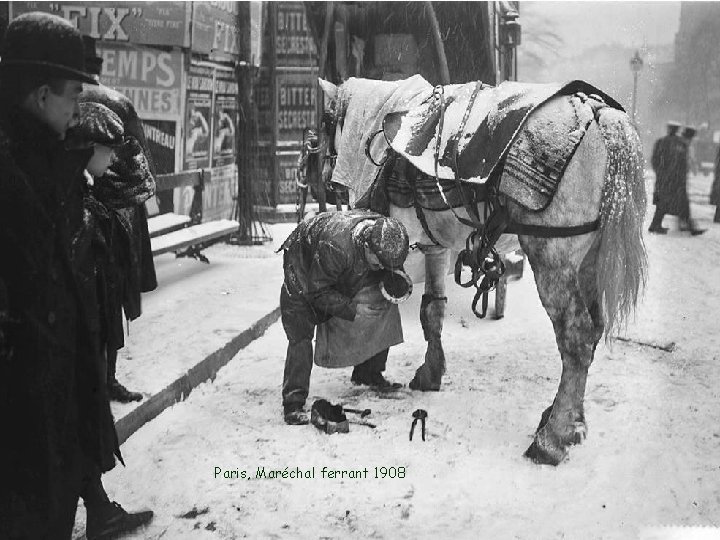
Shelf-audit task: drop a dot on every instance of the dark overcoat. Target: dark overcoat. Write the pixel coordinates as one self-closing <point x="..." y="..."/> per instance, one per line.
<point x="123" y="190"/>
<point x="670" y="163"/>
<point x="715" y="189"/>
<point x="325" y="265"/>
<point x="53" y="397"/>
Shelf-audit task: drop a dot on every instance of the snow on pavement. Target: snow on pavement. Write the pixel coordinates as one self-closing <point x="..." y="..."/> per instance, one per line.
<point x="651" y="457"/>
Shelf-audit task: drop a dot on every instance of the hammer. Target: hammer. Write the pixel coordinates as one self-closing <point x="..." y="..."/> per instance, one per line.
<point x="363" y="413"/>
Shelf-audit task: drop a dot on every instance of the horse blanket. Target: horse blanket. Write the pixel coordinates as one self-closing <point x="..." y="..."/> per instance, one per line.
<point x="484" y="130"/>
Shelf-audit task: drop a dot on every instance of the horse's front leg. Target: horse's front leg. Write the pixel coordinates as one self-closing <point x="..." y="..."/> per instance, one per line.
<point x="432" y="312"/>
<point x="570" y="299"/>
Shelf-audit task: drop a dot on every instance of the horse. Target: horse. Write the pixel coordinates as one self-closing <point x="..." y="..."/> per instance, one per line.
<point x="588" y="281"/>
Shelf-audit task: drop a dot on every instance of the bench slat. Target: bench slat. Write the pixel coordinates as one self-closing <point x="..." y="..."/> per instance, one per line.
<point x="197" y="234"/>
<point x="165" y="182"/>
<point x="165" y="223"/>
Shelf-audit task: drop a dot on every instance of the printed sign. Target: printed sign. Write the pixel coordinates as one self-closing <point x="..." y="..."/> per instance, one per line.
<point x="197" y="117"/>
<point x="225" y="118"/>
<point x="149" y="77"/>
<point x="148" y="23"/>
<point x="264" y="99"/>
<point x="218" y="195"/>
<point x="160" y="135"/>
<point x="287" y="168"/>
<point x="215" y="28"/>
<point x="294" y="44"/>
<point x="296" y="95"/>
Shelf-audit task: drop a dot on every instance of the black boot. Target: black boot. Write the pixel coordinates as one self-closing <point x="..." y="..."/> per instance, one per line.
<point x="117" y="392"/>
<point x="294" y="414"/>
<point x="369" y="373"/>
<point x="110" y="520"/>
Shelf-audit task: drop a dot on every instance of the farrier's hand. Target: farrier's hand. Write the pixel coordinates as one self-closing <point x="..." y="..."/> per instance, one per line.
<point x="370" y="310"/>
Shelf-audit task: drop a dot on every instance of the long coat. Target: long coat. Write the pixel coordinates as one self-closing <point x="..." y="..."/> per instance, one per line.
<point x="53" y="397"/>
<point x="715" y="189"/>
<point x="670" y="162"/>
<point x="127" y="185"/>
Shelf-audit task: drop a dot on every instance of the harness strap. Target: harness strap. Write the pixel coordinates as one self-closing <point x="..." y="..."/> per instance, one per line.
<point x="412" y="180"/>
<point x="543" y="231"/>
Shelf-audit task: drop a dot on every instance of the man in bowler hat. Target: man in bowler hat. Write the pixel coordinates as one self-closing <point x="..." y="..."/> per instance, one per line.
<point x="57" y="416"/>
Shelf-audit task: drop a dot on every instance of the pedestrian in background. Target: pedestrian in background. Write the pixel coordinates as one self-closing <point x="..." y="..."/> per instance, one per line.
<point x="123" y="189"/>
<point x="670" y="163"/>
<point x="686" y="223"/>
<point x="715" y="189"/>
<point x="52" y="391"/>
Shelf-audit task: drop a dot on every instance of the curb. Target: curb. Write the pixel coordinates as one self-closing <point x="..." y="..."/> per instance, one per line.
<point x="181" y="387"/>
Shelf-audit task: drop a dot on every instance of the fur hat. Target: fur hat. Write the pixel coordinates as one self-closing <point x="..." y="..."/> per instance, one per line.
<point x="388" y="239"/>
<point x="46" y="43"/>
<point x="98" y="125"/>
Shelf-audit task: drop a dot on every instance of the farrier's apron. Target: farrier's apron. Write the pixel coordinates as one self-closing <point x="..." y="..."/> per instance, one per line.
<point x="341" y="343"/>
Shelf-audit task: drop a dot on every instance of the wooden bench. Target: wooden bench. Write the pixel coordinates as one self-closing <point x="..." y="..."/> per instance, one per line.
<point x="187" y="236"/>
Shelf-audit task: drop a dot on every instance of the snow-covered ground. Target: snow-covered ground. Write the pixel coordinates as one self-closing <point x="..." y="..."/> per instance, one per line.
<point x="652" y="456"/>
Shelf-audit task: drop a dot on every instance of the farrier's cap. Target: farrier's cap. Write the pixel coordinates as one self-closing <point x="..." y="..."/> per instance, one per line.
<point x="47" y="43"/>
<point x="389" y="241"/>
<point x="97" y="125"/>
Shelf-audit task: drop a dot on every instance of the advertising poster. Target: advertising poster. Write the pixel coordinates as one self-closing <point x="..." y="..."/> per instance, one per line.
<point x="198" y="118"/>
<point x="294" y="44"/>
<point x="148" y="23"/>
<point x="225" y="119"/>
<point x="219" y="193"/>
<point x="149" y="77"/>
<point x="160" y="135"/>
<point x="215" y="29"/>
<point x="287" y="167"/>
<point x="263" y="97"/>
<point x="296" y="95"/>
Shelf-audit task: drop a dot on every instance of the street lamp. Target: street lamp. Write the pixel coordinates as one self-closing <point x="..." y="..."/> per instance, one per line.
<point x="636" y="64"/>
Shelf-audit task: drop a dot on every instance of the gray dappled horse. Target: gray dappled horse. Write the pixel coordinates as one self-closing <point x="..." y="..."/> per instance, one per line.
<point x="588" y="283"/>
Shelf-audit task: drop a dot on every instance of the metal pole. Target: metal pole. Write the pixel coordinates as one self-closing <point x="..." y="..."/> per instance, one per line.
<point x="634" y="100"/>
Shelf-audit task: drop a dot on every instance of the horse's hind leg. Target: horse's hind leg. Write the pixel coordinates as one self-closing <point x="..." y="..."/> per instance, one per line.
<point x="567" y="288"/>
<point x="432" y="312"/>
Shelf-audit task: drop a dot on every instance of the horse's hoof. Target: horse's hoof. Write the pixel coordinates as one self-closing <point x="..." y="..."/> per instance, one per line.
<point x="546" y="449"/>
<point x="422" y="381"/>
<point x="577" y="433"/>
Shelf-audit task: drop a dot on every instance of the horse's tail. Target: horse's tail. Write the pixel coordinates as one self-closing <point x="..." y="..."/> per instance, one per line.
<point x="622" y="260"/>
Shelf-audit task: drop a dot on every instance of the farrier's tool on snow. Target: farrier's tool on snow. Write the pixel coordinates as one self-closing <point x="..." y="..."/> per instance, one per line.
<point x="419" y="414"/>
<point x="362" y="412"/>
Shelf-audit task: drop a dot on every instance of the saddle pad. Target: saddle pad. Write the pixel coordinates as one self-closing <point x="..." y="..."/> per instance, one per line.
<point x="537" y="159"/>
<point x="407" y="185"/>
<point x="494" y="122"/>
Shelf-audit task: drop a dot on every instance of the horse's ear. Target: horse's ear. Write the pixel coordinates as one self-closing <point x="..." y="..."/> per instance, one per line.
<point x="329" y="89"/>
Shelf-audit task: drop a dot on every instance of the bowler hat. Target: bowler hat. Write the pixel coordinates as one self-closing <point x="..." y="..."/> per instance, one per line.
<point x="93" y="62"/>
<point x="46" y="43"/>
<point x="689" y="132"/>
